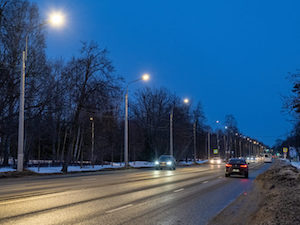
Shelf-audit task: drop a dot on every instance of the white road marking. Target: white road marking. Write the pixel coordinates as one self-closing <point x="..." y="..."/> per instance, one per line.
<point x="120" y="208"/>
<point x="204" y="182"/>
<point x="178" y="190"/>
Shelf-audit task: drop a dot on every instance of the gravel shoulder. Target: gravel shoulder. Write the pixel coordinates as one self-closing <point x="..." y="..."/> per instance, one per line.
<point x="274" y="199"/>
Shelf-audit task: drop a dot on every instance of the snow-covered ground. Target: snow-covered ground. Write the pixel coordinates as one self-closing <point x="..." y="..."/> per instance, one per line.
<point x="184" y="163"/>
<point x="57" y="169"/>
<point x="296" y="164"/>
<point x="6" y="169"/>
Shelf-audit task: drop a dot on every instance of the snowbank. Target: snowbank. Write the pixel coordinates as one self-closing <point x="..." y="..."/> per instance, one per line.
<point x="296" y="164"/>
<point x="6" y="169"/>
<point x="57" y="169"/>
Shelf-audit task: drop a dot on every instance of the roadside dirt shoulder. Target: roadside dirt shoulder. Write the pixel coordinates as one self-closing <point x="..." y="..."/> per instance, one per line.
<point x="274" y="199"/>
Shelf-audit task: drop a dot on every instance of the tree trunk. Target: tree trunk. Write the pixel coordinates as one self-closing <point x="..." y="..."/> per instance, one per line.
<point x="64" y="146"/>
<point x="77" y="144"/>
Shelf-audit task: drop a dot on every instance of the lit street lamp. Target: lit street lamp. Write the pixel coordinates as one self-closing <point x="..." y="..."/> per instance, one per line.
<point x="55" y="20"/>
<point x="145" y="77"/>
<point x="186" y="101"/>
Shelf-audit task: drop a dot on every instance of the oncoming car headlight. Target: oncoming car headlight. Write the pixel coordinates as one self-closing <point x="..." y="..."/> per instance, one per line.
<point x="219" y="161"/>
<point x="156" y="162"/>
<point x="169" y="163"/>
<point x="212" y="161"/>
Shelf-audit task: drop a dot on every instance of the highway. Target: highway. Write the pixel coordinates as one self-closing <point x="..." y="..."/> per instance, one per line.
<point x="188" y="195"/>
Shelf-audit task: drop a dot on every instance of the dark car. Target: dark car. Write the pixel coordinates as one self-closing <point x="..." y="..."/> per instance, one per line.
<point x="236" y="167"/>
<point x="165" y="161"/>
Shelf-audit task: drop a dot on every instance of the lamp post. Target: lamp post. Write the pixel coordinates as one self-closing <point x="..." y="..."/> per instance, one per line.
<point x="56" y="19"/>
<point x="145" y="77"/>
<point x="93" y="140"/>
<point x="171" y="131"/>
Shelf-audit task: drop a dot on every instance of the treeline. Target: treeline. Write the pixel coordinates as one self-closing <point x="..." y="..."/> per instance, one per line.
<point x="292" y="105"/>
<point x="61" y="98"/>
<point x="64" y="99"/>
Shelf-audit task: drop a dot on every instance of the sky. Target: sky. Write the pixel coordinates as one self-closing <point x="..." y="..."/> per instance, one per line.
<point x="231" y="55"/>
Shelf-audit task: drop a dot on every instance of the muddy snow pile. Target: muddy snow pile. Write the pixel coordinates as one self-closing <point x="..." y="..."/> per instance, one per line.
<point x="275" y="199"/>
<point x="280" y="187"/>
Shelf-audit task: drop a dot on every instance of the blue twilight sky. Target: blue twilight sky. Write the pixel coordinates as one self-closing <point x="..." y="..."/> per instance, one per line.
<point x="232" y="55"/>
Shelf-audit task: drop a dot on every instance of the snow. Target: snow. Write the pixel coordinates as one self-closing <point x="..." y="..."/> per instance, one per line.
<point x="6" y="169"/>
<point x="140" y="164"/>
<point x="296" y="164"/>
<point x="57" y="169"/>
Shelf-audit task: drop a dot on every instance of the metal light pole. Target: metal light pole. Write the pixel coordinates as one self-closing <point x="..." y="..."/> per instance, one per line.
<point x="126" y="130"/>
<point x="21" y="115"/>
<point x="145" y="77"/>
<point x="195" y="144"/>
<point x="56" y="19"/>
<point x="171" y="131"/>
<point x="208" y="145"/>
<point x="93" y="140"/>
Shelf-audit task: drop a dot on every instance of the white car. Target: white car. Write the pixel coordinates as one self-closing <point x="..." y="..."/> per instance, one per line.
<point x="215" y="160"/>
<point x="251" y="159"/>
<point x="267" y="158"/>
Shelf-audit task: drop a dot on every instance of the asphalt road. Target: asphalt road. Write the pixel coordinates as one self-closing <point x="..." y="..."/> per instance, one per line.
<point x="188" y="195"/>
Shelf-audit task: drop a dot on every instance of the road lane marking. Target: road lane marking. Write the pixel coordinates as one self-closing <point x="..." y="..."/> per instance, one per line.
<point x="204" y="182"/>
<point x="178" y="190"/>
<point x="120" y="208"/>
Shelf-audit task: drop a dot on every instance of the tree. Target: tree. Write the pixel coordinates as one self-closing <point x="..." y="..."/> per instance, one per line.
<point x="19" y="18"/>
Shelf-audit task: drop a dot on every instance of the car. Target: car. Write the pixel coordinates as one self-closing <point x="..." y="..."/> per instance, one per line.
<point x="251" y="159"/>
<point x="165" y="162"/>
<point x="236" y="167"/>
<point x="267" y="158"/>
<point x="215" y="160"/>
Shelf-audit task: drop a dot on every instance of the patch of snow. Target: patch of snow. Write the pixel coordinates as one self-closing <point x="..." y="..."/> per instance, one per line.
<point x="202" y="161"/>
<point x="6" y="169"/>
<point x="296" y="164"/>
<point x="57" y="169"/>
<point x="139" y="164"/>
<point x="184" y="163"/>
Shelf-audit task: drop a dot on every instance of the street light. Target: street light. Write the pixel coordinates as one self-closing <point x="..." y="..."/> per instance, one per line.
<point x="187" y="101"/>
<point x="54" y="20"/>
<point x="144" y="77"/>
<point x="93" y="139"/>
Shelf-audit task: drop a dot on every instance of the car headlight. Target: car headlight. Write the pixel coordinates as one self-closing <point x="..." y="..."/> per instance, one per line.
<point x="212" y="161"/>
<point x="219" y="161"/>
<point x="169" y="163"/>
<point x="156" y="162"/>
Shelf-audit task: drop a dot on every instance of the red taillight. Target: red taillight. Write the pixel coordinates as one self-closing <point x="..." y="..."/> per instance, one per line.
<point x="228" y="165"/>
<point x="244" y="166"/>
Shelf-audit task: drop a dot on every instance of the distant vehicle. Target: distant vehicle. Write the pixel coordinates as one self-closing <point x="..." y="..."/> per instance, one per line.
<point x="251" y="159"/>
<point x="267" y="158"/>
<point x="215" y="160"/>
<point x="165" y="161"/>
<point x="236" y="167"/>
